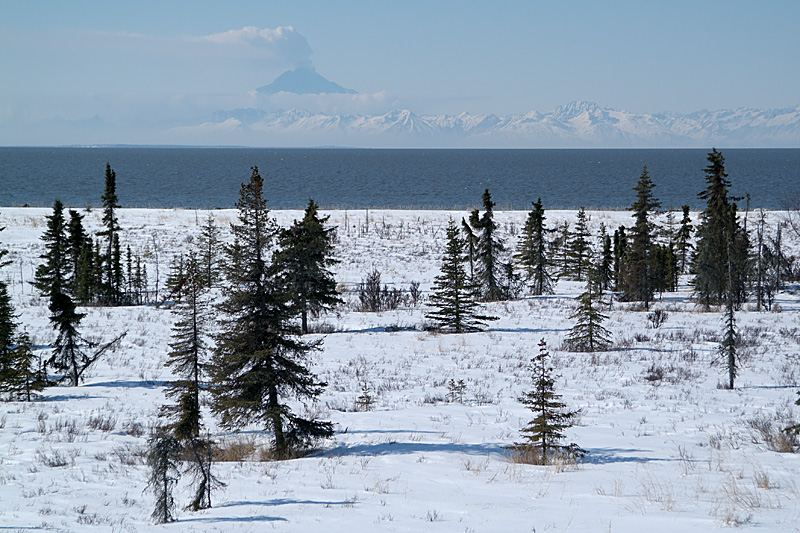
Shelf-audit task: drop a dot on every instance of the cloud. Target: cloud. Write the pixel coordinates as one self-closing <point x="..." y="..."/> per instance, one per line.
<point x="282" y="43"/>
<point x="225" y="126"/>
<point x="359" y="103"/>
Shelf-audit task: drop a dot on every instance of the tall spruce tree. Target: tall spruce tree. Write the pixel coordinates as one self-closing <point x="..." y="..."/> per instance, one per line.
<point x="51" y="276"/>
<point x="8" y="325"/>
<point x="532" y="256"/>
<point x="720" y="241"/>
<point x="111" y="259"/>
<point x="76" y="236"/>
<point x="259" y="361"/>
<point x="454" y="296"/>
<point x="187" y="354"/>
<point x="588" y="334"/>
<point x="731" y="337"/>
<point x="579" y="250"/>
<point x="546" y="431"/>
<point x="488" y="251"/>
<point x="605" y="268"/>
<point x="620" y="256"/>
<point x="683" y="240"/>
<point x="471" y="244"/>
<point x="303" y="261"/>
<point x="638" y="278"/>
<point x="187" y="358"/>
<point x="209" y="251"/>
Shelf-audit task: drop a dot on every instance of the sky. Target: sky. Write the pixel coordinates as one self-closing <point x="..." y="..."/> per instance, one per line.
<point x="117" y="72"/>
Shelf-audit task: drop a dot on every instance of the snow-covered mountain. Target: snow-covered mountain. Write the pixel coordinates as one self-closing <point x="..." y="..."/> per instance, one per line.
<point x="577" y="124"/>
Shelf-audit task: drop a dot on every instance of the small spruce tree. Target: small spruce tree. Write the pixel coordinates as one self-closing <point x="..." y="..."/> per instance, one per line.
<point x="163" y="453"/>
<point x="545" y="432"/>
<point x="209" y="251"/>
<point x="588" y="334"/>
<point x="21" y="375"/>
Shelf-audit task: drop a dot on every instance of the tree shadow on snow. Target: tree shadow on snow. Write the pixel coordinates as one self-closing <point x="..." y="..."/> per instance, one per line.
<point x="406" y="448"/>
<point x="525" y="330"/>
<point x="249" y="518"/>
<point x="260" y="518"/>
<point x="146" y="384"/>
<point x="604" y="456"/>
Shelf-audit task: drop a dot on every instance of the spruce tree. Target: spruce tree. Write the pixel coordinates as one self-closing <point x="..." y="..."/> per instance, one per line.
<point x="718" y="235"/>
<point x="51" y="276"/>
<point x="620" y="256"/>
<point x="85" y="284"/>
<point x="561" y="253"/>
<point x="471" y="243"/>
<point x="731" y="337"/>
<point x="638" y="276"/>
<point x="187" y="358"/>
<point x="76" y="236"/>
<point x="684" y="242"/>
<point x="579" y="250"/>
<point x="588" y="334"/>
<point x="111" y="260"/>
<point x="209" y="251"/>
<point x="21" y="375"/>
<point x="488" y="251"/>
<point x="8" y="325"/>
<point x="546" y="431"/>
<point x="258" y="364"/>
<point x="163" y="452"/>
<point x="303" y="261"/>
<point x="532" y="256"/>
<point x="69" y="356"/>
<point x="454" y="296"/>
<point x="187" y="354"/>
<point x="605" y="269"/>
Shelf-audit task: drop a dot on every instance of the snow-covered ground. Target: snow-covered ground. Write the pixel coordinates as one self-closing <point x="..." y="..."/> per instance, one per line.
<point x="672" y="454"/>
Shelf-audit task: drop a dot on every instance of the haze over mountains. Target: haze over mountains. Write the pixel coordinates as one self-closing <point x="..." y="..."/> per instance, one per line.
<point x="577" y="124"/>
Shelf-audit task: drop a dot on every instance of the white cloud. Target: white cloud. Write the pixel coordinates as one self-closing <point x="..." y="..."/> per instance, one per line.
<point x="282" y="43"/>
<point x="360" y="103"/>
<point x="226" y="126"/>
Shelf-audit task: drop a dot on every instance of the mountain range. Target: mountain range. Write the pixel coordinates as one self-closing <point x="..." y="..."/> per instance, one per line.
<point x="577" y="124"/>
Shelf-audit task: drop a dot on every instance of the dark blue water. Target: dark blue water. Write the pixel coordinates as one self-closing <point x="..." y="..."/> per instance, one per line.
<point x="353" y="178"/>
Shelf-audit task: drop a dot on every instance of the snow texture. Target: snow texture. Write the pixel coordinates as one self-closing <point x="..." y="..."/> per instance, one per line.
<point x="669" y="453"/>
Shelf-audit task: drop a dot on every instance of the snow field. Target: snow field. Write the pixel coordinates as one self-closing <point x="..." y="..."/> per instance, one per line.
<point x="668" y="449"/>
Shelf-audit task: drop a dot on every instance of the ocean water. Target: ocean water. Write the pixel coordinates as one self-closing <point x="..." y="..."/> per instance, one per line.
<point x="364" y="178"/>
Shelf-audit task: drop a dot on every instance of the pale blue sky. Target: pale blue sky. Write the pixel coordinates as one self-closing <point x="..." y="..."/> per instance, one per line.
<point x="146" y="64"/>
